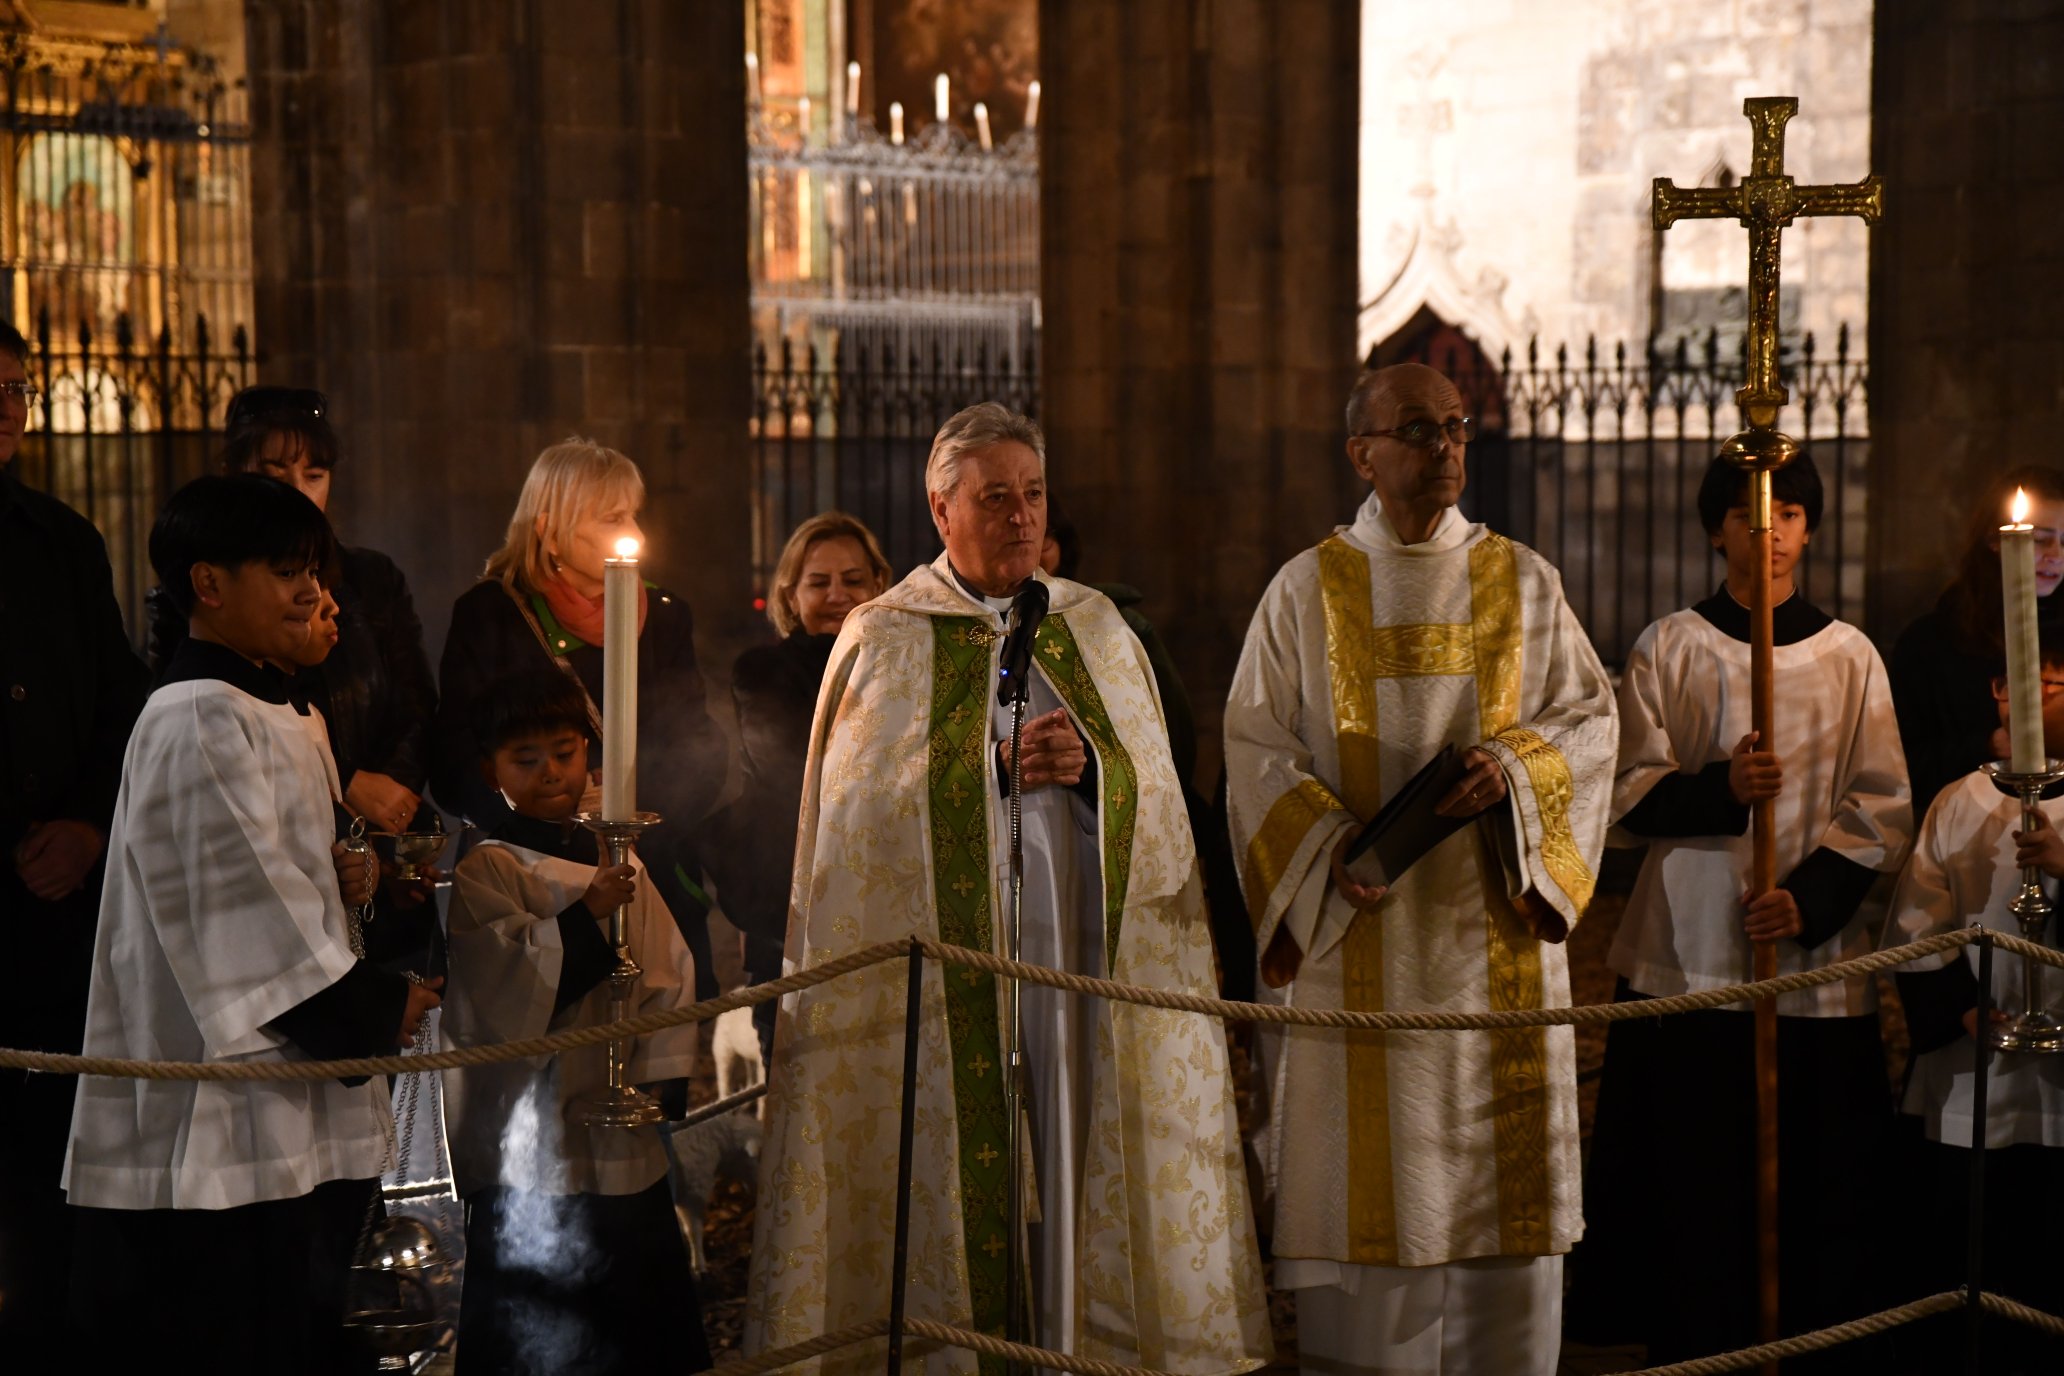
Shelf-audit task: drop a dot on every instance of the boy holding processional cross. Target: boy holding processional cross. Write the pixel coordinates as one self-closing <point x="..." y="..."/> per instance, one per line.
<point x="217" y="1218"/>
<point x="1965" y="870"/>
<point x="1672" y="1169"/>
<point x="572" y="1248"/>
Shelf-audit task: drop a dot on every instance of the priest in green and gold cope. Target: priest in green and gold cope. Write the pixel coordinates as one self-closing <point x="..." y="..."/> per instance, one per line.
<point x="1141" y="1247"/>
<point x="1426" y="1183"/>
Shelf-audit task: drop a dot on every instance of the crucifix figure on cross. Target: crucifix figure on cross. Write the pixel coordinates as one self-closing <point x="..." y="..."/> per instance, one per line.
<point x="1764" y="202"/>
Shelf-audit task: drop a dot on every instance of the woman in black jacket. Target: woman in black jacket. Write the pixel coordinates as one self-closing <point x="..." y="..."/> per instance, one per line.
<point x="1943" y="663"/>
<point x="540" y="602"/>
<point x="830" y="565"/>
<point x="375" y="689"/>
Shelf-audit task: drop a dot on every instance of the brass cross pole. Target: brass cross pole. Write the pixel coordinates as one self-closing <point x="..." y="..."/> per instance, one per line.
<point x="1764" y="202"/>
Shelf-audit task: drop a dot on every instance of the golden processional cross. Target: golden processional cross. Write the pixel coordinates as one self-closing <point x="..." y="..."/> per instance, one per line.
<point x="1764" y="202"/>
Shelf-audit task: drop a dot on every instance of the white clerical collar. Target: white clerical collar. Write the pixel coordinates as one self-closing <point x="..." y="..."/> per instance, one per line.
<point x="1000" y="605"/>
<point x="1372" y="529"/>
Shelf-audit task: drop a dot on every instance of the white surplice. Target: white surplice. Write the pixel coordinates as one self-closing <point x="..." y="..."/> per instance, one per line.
<point x="505" y="963"/>
<point x="1684" y="703"/>
<point x="1410" y="1151"/>
<point x="220" y="912"/>
<point x="1962" y="871"/>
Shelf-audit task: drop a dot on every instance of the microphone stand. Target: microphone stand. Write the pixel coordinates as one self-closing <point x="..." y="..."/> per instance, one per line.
<point x="1015" y="1310"/>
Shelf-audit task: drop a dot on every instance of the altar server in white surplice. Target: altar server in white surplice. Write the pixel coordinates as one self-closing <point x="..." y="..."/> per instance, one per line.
<point x="1143" y="1248"/>
<point x="1426" y="1184"/>
<point x="224" y="937"/>
<point x="1677" y="1098"/>
<point x="1965" y="871"/>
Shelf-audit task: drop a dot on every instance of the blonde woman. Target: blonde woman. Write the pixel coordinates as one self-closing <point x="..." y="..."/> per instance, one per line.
<point x="831" y="564"/>
<point x="539" y="601"/>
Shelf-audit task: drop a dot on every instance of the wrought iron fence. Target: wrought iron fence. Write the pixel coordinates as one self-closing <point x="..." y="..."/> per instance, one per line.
<point x="1593" y="459"/>
<point x="122" y="423"/>
<point x="124" y="232"/>
<point x="852" y="432"/>
<point x="128" y="194"/>
<point x="894" y="245"/>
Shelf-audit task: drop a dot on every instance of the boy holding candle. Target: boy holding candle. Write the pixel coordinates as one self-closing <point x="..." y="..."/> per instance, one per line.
<point x="1674" y="1152"/>
<point x="1965" y="870"/>
<point x="570" y="1230"/>
<point x="224" y="937"/>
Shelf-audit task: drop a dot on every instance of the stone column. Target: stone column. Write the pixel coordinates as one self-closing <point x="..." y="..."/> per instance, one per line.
<point x="484" y="225"/>
<point x="1967" y="273"/>
<point x="1198" y="273"/>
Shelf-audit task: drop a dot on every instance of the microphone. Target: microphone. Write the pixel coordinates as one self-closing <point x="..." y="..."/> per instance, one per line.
<point x="1028" y="609"/>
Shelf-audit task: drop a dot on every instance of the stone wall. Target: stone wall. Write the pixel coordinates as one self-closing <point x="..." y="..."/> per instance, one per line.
<point x="1198" y="260"/>
<point x="1507" y="150"/>
<point x="483" y="225"/>
<point x="1967" y="274"/>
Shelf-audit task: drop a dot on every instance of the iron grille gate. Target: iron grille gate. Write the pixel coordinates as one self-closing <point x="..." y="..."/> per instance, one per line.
<point x="1594" y="461"/>
<point x="125" y="257"/>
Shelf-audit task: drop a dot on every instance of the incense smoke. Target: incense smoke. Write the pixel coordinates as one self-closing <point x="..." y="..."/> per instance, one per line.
<point x="540" y="1234"/>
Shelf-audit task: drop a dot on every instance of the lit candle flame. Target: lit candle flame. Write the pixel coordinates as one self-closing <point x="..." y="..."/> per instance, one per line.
<point x="2018" y="508"/>
<point x="627" y="548"/>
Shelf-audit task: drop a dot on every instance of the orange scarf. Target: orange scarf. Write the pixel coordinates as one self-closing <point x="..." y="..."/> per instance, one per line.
<point x="583" y="615"/>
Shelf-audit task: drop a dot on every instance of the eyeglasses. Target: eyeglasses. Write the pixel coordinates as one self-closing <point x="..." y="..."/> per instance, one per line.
<point x="254" y="402"/>
<point x="1424" y="434"/>
<point x="27" y="393"/>
<point x="2050" y="688"/>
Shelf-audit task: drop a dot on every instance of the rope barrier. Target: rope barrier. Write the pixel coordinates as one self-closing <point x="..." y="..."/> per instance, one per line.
<point x="1581" y="1015"/>
<point x="2030" y="950"/>
<point x="1798" y="1345"/>
<point x="1033" y="1356"/>
<point x="802" y="1351"/>
<point x="2021" y="1313"/>
<point x="1819" y="1340"/>
<point x="458" y="1058"/>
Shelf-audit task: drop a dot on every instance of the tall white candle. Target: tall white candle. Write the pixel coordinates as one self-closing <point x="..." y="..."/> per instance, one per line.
<point x="2024" y="654"/>
<point x="1032" y="106"/>
<point x="802" y="116"/>
<point x="982" y="125"/>
<point x="620" y="683"/>
<point x="853" y="89"/>
<point x="895" y="121"/>
<point x="942" y="98"/>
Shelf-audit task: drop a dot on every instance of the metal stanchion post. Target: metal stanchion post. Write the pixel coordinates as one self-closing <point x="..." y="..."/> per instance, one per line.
<point x="899" y="1282"/>
<point x="1974" y="1255"/>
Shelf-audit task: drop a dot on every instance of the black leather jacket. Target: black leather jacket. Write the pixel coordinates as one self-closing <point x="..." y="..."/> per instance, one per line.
<point x="375" y="691"/>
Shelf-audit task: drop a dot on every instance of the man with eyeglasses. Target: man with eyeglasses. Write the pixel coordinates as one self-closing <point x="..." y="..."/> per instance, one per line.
<point x="1426" y="1184"/>
<point x="70" y="689"/>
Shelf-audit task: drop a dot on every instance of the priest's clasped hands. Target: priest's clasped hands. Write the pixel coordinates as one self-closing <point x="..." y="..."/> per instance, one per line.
<point x="1054" y="753"/>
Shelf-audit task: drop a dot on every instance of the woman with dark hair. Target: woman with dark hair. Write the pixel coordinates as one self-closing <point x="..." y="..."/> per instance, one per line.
<point x="1943" y="663"/>
<point x="539" y="603"/>
<point x="831" y="564"/>
<point x="375" y="689"/>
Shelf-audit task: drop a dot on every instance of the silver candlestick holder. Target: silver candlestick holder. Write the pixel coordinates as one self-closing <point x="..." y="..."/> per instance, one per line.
<point x="2034" y="1028"/>
<point x="620" y="1104"/>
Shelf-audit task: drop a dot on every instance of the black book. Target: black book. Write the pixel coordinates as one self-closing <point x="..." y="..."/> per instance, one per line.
<point x="1407" y="827"/>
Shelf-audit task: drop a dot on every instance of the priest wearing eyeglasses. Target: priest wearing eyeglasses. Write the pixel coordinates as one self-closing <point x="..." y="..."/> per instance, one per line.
<point x="1426" y="1183"/>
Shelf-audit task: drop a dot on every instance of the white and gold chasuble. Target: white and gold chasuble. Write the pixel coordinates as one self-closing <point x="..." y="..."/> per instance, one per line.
<point x="900" y="834"/>
<point x="1365" y="657"/>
